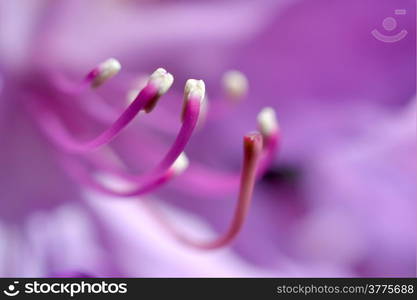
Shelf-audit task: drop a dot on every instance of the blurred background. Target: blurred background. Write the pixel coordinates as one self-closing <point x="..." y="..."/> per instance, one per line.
<point x="339" y="198"/>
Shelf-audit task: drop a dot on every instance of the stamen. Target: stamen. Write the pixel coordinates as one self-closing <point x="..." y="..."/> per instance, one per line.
<point x="193" y="95"/>
<point x="94" y="78"/>
<point x="103" y="72"/>
<point x="235" y="85"/>
<point x="194" y="90"/>
<point x="95" y="107"/>
<point x="162" y="80"/>
<point x="173" y="163"/>
<point x="191" y="117"/>
<point x="252" y="146"/>
<point x="146" y="98"/>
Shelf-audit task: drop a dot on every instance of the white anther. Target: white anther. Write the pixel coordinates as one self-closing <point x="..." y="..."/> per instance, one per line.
<point x="235" y="84"/>
<point x="106" y="70"/>
<point x="195" y="89"/>
<point x="162" y="80"/>
<point x="267" y="121"/>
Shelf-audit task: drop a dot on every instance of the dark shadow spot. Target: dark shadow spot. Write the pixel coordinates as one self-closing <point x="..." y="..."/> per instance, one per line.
<point x="282" y="175"/>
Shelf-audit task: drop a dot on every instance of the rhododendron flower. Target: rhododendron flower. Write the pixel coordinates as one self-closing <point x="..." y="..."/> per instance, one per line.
<point x="226" y="138"/>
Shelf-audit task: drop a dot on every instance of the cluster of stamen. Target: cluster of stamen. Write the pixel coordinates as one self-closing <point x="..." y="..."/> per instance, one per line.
<point x="259" y="148"/>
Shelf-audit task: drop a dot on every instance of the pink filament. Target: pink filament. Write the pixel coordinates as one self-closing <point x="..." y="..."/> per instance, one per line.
<point x="252" y="150"/>
<point x="192" y="112"/>
<point x="59" y="135"/>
